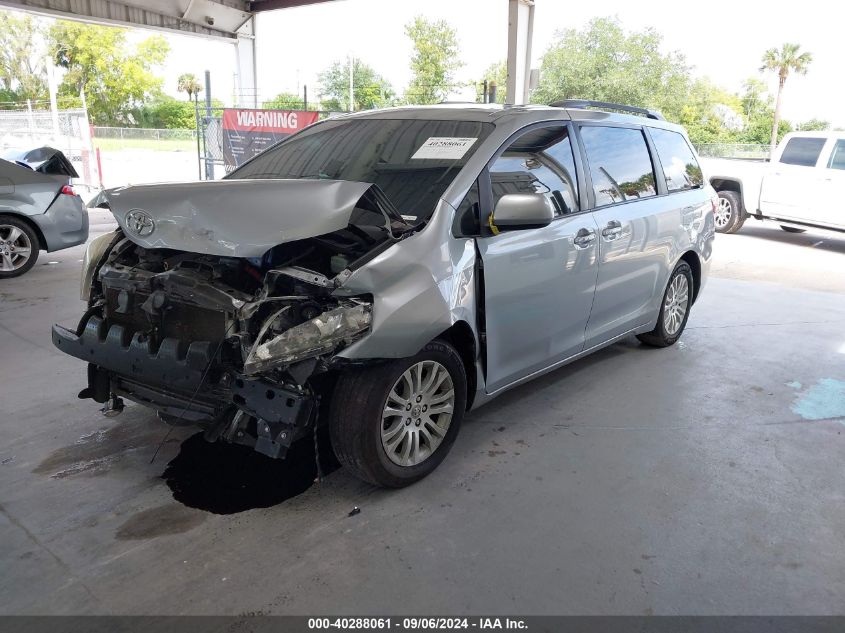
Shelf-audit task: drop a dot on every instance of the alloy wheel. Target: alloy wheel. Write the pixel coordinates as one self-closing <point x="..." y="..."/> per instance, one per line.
<point x="15" y="248"/>
<point x="724" y="212"/>
<point x="417" y="413"/>
<point x="675" y="305"/>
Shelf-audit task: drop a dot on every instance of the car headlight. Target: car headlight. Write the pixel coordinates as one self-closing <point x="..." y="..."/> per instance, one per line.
<point x="320" y="335"/>
<point x="97" y="247"/>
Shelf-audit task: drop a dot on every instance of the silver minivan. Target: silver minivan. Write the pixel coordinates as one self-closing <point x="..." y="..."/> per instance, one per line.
<point x="379" y="274"/>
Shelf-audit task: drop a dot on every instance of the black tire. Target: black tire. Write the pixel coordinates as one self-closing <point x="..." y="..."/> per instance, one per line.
<point x="28" y="234"/>
<point x="736" y="217"/>
<point x="659" y="336"/>
<point x="792" y="229"/>
<point x="355" y="417"/>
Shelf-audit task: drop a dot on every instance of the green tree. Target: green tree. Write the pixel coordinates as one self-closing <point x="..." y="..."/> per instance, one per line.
<point x="22" y="72"/>
<point x="813" y="125"/>
<point x="189" y="83"/>
<point x="711" y="114"/>
<point x="435" y="61"/>
<point x="165" y="111"/>
<point x="284" y="101"/>
<point x="605" y="63"/>
<point x="370" y="90"/>
<point x="496" y="74"/>
<point x="116" y="80"/>
<point x="755" y="98"/>
<point x="758" y="109"/>
<point x="784" y="61"/>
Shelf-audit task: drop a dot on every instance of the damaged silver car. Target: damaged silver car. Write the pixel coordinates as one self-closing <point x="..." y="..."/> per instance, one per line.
<point x="382" y="273"/>
<point x="39" y="210"/>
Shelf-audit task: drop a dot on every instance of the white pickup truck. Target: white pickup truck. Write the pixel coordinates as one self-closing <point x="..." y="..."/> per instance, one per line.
<point x="803" y="186"/>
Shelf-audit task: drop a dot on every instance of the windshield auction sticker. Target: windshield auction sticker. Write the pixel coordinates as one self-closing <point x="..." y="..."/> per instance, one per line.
<point x="444" y="148"/>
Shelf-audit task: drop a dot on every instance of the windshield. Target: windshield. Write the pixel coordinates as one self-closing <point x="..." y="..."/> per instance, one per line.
<point x="412" y="161"/>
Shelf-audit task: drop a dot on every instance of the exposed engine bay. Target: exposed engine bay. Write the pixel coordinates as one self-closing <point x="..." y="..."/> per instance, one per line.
<point x="241" y="346"/>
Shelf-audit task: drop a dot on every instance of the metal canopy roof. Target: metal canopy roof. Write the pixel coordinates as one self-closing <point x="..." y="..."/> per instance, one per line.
<point x="205" y="18"/>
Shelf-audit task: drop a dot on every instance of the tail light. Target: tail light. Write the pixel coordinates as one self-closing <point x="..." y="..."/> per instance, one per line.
<point x="67" y="190"/>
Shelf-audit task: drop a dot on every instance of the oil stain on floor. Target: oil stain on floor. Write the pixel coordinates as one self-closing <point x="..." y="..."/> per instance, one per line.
<point x="172" y="518"/>
<point x="226" y="478"/>
<point x="96" y="452"/>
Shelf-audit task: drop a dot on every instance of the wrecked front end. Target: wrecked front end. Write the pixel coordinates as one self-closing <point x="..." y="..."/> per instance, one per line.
<point x="242" y="346"/>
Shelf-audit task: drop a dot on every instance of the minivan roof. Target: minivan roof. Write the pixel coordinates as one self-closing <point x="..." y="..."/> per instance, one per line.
<point x="496" y="113"/>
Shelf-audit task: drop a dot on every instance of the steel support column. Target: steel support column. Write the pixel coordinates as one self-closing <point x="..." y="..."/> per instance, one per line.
<point x="246" y="84"/>
<point x="520" y="34"/>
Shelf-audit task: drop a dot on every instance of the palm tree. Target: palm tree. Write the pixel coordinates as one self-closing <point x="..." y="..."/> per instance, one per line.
<point x="787" y="59"/>
<point x="188" y="83"/>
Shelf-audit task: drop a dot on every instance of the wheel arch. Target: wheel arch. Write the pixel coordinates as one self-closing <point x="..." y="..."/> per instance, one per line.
<point x="462" y="338"/>
<point x="694" y="262"/>
<point x="42" y="243"/>
<point x="729" y="184"/>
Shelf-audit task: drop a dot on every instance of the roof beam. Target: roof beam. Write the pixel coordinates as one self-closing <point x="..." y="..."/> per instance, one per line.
<point x="115" y="12"/>
<point x="256" y="6"/>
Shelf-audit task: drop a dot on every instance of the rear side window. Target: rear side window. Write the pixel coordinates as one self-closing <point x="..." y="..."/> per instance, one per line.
<point x="802" y="151"/>
<point x="837" y="157"/>
<point x="620" y="164"/>
<point x="679" y="165"/>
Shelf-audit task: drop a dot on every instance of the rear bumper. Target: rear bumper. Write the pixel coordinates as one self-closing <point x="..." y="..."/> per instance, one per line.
<point x="64" y="224"/>
<point x="186" y="382"/>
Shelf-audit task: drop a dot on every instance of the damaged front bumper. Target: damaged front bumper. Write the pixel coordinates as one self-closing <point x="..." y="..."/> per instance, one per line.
<point x="173" y="381"/>
<point x="243" y="364"/>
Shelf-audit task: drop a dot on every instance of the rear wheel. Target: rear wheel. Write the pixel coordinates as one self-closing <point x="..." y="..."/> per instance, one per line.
<point x="18" y="247"/>
<point x="729" y="216"/>
<point x="674" y="310"/>
<point x="792" y="229"/>
<point x="393" y="424"/>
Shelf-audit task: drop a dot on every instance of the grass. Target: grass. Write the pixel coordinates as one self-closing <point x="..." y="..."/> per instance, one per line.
<point x="164" y="145"/>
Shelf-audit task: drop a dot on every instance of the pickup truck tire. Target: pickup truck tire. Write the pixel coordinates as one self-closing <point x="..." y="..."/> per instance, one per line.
<point x="19" y="247"/>
<point x="674" y="309"/>
<point x="792" y="229"/>
<point x="729" y="214"/>
<point x="382" y="422"/>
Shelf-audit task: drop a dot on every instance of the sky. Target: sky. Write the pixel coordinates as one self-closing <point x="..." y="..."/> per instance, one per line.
<point x="722" y="39"/>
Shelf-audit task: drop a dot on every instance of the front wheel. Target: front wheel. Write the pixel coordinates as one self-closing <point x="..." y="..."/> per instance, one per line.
<point x="729" y="216"/>
<point x="674" y="311"/>
<point x="392" y="424"/>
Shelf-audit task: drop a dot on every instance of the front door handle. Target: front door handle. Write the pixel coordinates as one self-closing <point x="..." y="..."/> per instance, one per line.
<point x="584" y="238"/>
<point x="612" y="231"/>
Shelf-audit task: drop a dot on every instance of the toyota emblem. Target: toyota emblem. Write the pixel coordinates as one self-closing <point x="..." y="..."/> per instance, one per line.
<point x="140" y="223"/>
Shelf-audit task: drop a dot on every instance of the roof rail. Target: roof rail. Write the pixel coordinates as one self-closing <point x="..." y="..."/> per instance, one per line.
<point x="586" y="103"/>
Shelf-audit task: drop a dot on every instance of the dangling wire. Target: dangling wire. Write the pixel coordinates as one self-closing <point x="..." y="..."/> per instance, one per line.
<point x="317" y="443"/>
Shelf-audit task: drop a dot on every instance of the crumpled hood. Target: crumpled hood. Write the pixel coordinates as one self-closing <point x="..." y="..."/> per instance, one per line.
<point x="234" y="218"/>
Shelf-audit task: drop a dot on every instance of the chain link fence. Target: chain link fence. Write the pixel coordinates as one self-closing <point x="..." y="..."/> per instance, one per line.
<point x="151" y="134"/>
<point x="733" y="150"/>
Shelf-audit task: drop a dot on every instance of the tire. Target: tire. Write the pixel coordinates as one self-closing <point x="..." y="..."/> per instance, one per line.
<point x="729" y="214"/>
<point x="668" y="331"/>
<point x="357" y="425"/>
<point x="792" y="229"/>
<point x="15" y="236"/>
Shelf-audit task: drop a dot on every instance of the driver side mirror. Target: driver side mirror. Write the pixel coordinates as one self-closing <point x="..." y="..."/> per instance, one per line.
<point x="523" y="211"/>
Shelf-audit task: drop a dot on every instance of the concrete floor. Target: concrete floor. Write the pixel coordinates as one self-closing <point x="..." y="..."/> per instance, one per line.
<point x="701" y="479"/>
